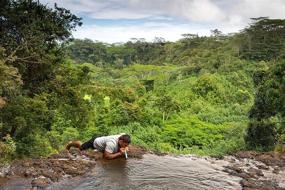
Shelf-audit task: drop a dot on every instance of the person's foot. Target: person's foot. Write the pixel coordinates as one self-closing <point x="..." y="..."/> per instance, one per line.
<point x="76" y="144"/>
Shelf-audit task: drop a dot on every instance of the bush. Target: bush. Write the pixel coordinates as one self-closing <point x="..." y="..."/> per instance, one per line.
<point x="7" y="149"/>
<point x="280" y="146"/>
<point x="34" y="145"/>
<point x="261" y="135"/>
<point x="187" y="132"/>
<point x="205" y="84"/>
<point x="70" y="134"/>
<point x="146" y="136"/>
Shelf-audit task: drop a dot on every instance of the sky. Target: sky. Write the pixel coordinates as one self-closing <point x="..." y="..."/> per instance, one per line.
<point x="115" y="21"/>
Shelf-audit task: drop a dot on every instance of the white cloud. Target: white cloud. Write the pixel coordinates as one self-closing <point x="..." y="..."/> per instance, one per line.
<point x="193" y="10"/>
<point x="111" y="34"/>
<point x="198" y="11"/>
<point x="171" y="32"/>
<point x="226" y="15"/>
<point x="258" y="8"/>
<point x="119" y="14"/>
<point x="76" y="6"/>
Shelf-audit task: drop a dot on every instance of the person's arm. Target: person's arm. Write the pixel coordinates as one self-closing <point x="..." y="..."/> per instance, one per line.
<point x="109" y="155"/>
<point x="111" y="152"/>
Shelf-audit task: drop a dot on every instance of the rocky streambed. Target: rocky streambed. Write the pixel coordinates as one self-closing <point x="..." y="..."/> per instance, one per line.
<point x="42" y="172"/>
<point x="244" y="170"/>
<point x="263" y="171"/>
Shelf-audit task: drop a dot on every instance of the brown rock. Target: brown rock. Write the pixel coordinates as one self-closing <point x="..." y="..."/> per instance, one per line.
<point x="255" y="172"/>
<point x="276" y="170"/>
<point x="40" y="182"/>
<point x="263" y="167"/>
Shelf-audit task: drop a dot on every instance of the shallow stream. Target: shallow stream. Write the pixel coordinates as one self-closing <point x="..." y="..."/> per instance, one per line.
<point x="154" y="172"/>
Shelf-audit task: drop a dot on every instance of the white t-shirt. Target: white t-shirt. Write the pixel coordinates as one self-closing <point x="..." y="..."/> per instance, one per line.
<point x="107" y="143"/>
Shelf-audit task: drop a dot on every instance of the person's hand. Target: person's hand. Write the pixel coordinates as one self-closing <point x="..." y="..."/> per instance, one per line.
<point x="127" y="148"/>
<point x="122" y="150"/>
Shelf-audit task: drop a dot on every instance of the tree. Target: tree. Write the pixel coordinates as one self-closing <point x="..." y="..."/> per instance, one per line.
<point x="216" y="33"/>
<point x="190" y="36"/>
<point x="267" y="113"/>
<point x="264" y="39"/>
<point x="32" y="35"/>
<point x="31" y="40"/>
<point x="159" y="40"/>
<point x="167" y="106"/>
<point x="10" y="81"/>
<point x="86" y="50"/>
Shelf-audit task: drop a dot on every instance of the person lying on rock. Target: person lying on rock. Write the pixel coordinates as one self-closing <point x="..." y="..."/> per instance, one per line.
<point x="113" y="146"/>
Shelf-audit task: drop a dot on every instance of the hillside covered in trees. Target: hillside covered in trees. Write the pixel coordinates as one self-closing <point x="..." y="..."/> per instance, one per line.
<point x="209" y="95"/>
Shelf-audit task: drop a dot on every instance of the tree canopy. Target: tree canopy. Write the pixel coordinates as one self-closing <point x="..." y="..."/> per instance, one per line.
<point x="196" y="95"/>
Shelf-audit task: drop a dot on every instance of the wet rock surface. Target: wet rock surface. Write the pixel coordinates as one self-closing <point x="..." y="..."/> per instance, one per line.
<point x="259" y="171"/>
<point x="262" y="171"/>
<point x="40" y="183"/>
<point x="44" y="171"/>
<point x="268" y="158"/>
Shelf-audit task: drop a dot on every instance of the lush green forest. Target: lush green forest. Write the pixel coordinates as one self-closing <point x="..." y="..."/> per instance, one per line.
<point x="205" y="95"/>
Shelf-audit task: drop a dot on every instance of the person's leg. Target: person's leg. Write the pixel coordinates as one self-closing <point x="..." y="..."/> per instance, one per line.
<point x="76" y="144"/>
<point x="88" y="144"/>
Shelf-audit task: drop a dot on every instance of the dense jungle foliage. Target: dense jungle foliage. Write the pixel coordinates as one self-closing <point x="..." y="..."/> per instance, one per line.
<point x="206" y="95"/>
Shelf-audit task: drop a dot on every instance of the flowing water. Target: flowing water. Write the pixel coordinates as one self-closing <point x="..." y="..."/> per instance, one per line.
<point x="154" y="172"/>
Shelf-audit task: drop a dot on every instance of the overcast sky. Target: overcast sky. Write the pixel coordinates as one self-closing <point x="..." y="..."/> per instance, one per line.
<point x="120" y="20"/>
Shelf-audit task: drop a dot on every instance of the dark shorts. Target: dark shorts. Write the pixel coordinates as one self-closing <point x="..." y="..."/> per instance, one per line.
<point x="88" y="144"/>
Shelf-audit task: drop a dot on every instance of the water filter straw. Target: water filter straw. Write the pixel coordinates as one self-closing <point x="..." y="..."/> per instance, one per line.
<point x="126" y="154"/>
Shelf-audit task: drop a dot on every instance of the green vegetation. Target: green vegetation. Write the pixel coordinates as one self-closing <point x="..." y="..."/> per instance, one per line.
<point x="206" y="95"/>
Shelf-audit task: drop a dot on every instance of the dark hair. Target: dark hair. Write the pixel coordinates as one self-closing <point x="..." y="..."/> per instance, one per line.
<point x="125" y="138"/>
